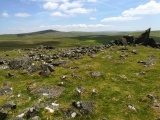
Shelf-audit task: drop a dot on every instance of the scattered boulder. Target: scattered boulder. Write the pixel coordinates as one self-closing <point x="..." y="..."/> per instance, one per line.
<point x="5" y="91"/>
<point x="10" y="105"/>
<point x="85" y="107"/>
<point x="151" y="61"/>
<point x="33" y="111"/>
<point x="154" y="101"/>
<point x="20" y="63"/>
<point x="33" y="68"/>
<point x="46" y="69"/>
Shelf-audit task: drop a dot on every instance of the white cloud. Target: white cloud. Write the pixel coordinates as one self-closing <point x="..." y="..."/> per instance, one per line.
<point x="79" y="27"/>
<point x="5" y="14"/>
<point x="58" y="14"/>
<point x="119" y="18"/>
<point x="66" y="28"/>
<point x="92" y="18"/>
<point x="79" y="11"/>
<point x="22" y="15"/>
<point x="67" y="5"/>
<point x="91" y="0"/>
<point x="151" y="7"/>
<point x="50" y="5"/>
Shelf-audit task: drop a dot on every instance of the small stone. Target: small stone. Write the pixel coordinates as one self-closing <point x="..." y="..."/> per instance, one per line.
<point x="130" y="106"/>
<point x="11" y="75"/>
<point x="19" y="95"/>
<point x="142" y="73"/>
<point x="95" y="74"/>
<point x="80" y="90"/>
<point x="55" y="105"/>
<point x="94" y="91"/>
<point x="74" y="114"/>
<point x="150" y="96"/>
<point x="21" y="115"/>
<point x="70" y="113"/>
<point x="50" y="110"/>
<point x="134" y="52"/>
<point x="60" y="83"/>
<point x="63" y="77"/>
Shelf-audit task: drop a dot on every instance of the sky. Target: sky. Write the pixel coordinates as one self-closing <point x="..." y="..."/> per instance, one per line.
<point x="21" y="16"/>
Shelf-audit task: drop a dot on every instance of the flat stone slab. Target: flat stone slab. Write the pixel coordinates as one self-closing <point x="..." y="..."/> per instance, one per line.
<point x="49" y="92"/>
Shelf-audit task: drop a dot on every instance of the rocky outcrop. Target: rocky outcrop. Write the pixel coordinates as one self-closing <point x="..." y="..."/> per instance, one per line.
<point x="143" y="39"/>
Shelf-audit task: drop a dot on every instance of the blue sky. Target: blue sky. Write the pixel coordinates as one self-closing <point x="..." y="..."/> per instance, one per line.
<point x="20" y="16"/>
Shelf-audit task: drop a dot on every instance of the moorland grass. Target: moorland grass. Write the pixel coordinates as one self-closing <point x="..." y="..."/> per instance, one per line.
<point x="119" y="85"/>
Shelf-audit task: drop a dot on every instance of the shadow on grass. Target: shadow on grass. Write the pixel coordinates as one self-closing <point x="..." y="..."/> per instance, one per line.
<point x="157" y="39"/>
<point x="9" y="45"/>
<point x="103" y="39"/>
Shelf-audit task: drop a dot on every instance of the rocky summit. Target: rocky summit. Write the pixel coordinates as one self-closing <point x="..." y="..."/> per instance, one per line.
<point x="114" y="81"/>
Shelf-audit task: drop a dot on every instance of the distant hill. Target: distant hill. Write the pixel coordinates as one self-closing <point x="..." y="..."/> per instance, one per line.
<point x="64" y="39"/>
<point x="38" y="32"/>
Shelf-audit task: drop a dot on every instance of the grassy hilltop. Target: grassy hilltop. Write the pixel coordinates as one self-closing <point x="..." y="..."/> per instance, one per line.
<point x="123" y="84"/>
<point x="63" y="39"/>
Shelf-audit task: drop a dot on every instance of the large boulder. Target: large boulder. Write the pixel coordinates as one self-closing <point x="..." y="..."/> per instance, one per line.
<point x="46" y="69"/>
<point x="20" y="63"/>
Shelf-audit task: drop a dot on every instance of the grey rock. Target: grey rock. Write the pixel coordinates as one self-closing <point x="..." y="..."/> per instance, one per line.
<point x="11" y="105"/>
<point x="33" y="111"/>
<point x="18" y="118"/>
<point x="95" y="74"/>
<point x="20" y="63"/>
<point x="36" y="118"/>
<point x="5" y="91"/>
<point x="3" y="115"/>
<point x="71" y="113"/>
<point x="49" y="92"/>
<point x="46" y="69"/>
<point x="134" y="52"/>
<point x="85" y="107"/>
